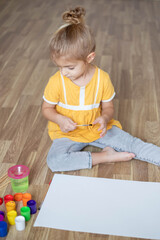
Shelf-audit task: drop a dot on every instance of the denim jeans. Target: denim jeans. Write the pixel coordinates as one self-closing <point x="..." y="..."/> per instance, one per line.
<point x="66" y="155"/>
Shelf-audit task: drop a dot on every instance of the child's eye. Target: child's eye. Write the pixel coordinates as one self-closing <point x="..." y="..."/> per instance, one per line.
<point x="71" y="68"/>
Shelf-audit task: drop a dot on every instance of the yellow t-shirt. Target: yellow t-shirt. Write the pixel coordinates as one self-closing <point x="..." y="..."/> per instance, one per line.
<point x="81" y="104"/>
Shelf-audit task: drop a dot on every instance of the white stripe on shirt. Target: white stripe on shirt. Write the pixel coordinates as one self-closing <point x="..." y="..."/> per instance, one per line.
<point x="54" y="103"/>
<point x="97" y="86"/>
<point x="82" y="96"/>
<point x="79" y="107"/>
<point x="64" y="90"/>
<point x="110" y="99"/>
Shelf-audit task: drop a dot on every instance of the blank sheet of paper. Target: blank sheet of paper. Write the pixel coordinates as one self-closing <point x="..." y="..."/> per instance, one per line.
<point x="103" y="206"/>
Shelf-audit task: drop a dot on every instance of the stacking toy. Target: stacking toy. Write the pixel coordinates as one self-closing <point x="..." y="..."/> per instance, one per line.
<point x="1" y="213"/>
<point x="3" y="229"/>
<point x="25" y="198"/>
<point x="19" y="178"/>
<point x="10" y="206"/>
<point x="11" y="215"/>
<point x="1" y="201"/>
<point x="18" y="197"/>
<point x="33" y="206"/>
<point x="8" y="198"/>
<point x="25" y="212"/>
<point x="1" y="217"/>
<point x="20" y="223"/>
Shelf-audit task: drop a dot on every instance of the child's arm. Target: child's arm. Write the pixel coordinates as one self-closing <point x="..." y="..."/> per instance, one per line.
<point x="107" y="115"/>
<point x="65" y="123"/>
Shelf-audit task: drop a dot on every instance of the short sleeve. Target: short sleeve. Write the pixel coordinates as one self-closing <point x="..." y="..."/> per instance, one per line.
<point x="108" y="89"/>
<point x="52" y="90"/>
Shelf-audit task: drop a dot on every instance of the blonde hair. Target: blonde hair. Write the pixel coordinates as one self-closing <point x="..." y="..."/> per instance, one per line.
<point x="73" y="39"/>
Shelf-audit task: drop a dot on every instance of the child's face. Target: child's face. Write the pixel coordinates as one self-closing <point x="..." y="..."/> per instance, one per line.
<point x="72" y="69"/>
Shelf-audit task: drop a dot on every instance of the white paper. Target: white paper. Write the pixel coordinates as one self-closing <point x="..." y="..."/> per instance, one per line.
<point x="103" y="206"/>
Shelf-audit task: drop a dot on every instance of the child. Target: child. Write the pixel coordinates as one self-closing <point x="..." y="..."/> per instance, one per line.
<point x="78" y="102"/>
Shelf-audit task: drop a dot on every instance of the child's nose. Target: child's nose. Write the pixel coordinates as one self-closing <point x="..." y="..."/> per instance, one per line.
<point x="64" y="72"/>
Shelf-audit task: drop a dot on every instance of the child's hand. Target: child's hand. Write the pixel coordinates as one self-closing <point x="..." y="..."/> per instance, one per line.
<point x="103" y="125"/>
<point x="66" y="124"/>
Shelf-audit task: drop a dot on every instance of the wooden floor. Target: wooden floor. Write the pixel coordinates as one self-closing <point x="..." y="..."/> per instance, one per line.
<point x="128" y="47"/>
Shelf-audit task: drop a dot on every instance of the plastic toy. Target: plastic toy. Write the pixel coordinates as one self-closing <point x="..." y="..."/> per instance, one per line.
<point x="8" y="198"/>
<point x="11" y="215"/>
<point x="33" y="206"/>
<point x="10" y="206"/>
<point x="3" y="229"/>
<point x="1" y="201"/>
<point x="25" y="198"/>
<point x="25" y="212"/>
<point x="19" y="178"/>
<point x="20" y="223"/>
<point x="18" y="197"/>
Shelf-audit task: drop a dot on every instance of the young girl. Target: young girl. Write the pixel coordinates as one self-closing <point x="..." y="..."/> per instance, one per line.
<point x="78" y="102"/>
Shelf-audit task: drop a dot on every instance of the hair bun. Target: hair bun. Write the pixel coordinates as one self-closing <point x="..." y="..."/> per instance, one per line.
<point x="74" y="16"/>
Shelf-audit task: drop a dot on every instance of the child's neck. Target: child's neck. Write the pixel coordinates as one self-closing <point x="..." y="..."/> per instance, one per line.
<point x="86" y="77"/>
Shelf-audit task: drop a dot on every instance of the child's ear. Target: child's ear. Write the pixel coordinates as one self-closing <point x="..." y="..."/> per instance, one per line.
<point x="91" y="57"/>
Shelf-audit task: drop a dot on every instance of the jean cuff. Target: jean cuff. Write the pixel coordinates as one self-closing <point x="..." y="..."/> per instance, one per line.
<point x="90" y="159"/>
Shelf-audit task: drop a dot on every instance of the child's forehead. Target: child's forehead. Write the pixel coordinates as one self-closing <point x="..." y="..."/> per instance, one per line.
<point x="66" y="61"/>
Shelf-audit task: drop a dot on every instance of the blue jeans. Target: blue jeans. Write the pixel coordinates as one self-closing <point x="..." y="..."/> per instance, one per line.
<point x="66" y="155"/>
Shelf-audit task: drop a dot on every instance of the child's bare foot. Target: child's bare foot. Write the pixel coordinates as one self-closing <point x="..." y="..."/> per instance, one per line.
<point x="113" y="156"/>
<point x="109" y="155"/>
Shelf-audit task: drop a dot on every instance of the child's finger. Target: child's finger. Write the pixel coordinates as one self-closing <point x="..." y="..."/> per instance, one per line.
<point x="96" y="121"/>
<point x="103" y="133"/>
<point x="70" y="120"/>
<point x="101" y="127"/>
